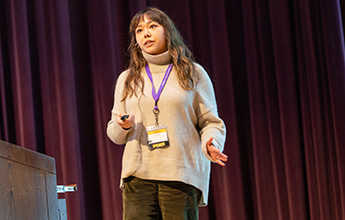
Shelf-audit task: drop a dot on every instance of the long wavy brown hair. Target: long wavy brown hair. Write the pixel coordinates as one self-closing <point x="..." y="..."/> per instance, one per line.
<point x="182" y="58"/>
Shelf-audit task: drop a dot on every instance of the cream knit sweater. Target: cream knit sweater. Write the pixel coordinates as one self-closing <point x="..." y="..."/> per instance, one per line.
<point x="191" y="118"/>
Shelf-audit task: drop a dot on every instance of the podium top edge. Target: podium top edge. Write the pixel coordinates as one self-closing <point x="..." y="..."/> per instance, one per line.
<point x="27" y="157"/>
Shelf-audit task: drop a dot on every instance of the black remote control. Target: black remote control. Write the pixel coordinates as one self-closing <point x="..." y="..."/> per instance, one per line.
<point x="124" y="117"/>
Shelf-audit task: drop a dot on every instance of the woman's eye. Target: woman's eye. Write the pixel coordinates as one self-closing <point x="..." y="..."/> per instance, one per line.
<point x="138" y="31"/>
<point x="153" y="26"/>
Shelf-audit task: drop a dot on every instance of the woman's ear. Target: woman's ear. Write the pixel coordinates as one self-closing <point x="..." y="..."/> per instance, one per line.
<point x="137" y="46"/>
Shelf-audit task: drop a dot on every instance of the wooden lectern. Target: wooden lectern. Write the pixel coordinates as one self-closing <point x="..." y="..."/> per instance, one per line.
<point x="27" y="184"/>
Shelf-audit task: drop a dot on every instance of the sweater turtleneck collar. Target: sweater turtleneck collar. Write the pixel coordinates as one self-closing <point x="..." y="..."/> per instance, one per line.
<point x="160" y="59"/>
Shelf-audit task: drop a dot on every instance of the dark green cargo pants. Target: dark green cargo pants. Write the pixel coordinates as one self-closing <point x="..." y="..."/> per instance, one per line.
<point x="152" y="199"/>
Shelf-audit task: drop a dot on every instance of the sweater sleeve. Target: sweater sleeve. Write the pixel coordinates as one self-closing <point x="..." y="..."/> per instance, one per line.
<point x="114" y="131"/>
<point x="211" y="126"/>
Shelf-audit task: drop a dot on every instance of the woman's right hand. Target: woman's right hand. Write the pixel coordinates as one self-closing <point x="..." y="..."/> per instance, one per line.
<point x="127" y="123"/>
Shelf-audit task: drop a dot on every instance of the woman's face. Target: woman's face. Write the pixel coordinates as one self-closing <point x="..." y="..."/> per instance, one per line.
<point x="150" y="37"/>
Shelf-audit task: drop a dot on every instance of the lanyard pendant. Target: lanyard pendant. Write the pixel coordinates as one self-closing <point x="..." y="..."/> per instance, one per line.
<point x="156" y="113"/>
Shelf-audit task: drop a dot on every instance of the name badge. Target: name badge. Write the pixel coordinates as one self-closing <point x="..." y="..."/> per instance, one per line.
<point x="157" y="137"/>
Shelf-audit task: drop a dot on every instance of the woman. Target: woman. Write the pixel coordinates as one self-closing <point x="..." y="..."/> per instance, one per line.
<point x="166" y="113"/>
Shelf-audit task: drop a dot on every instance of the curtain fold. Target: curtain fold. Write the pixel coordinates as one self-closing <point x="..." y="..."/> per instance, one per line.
<point x="107" y="47"/>
<point x="58" y="94"/>
<point x="278" y="69"/>
<point x="18" y="45"/>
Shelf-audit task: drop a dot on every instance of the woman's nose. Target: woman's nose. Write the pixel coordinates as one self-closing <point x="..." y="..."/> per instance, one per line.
<point x="147" y="33"/>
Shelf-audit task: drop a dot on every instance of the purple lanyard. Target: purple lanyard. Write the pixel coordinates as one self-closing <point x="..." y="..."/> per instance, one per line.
<point x="164" y="81"/>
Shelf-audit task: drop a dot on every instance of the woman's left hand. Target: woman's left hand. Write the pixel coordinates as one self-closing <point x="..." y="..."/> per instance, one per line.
<point x="215" y="153"/>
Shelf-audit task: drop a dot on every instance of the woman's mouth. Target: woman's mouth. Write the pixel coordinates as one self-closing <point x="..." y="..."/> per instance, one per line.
<point x="148" y="43"/>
